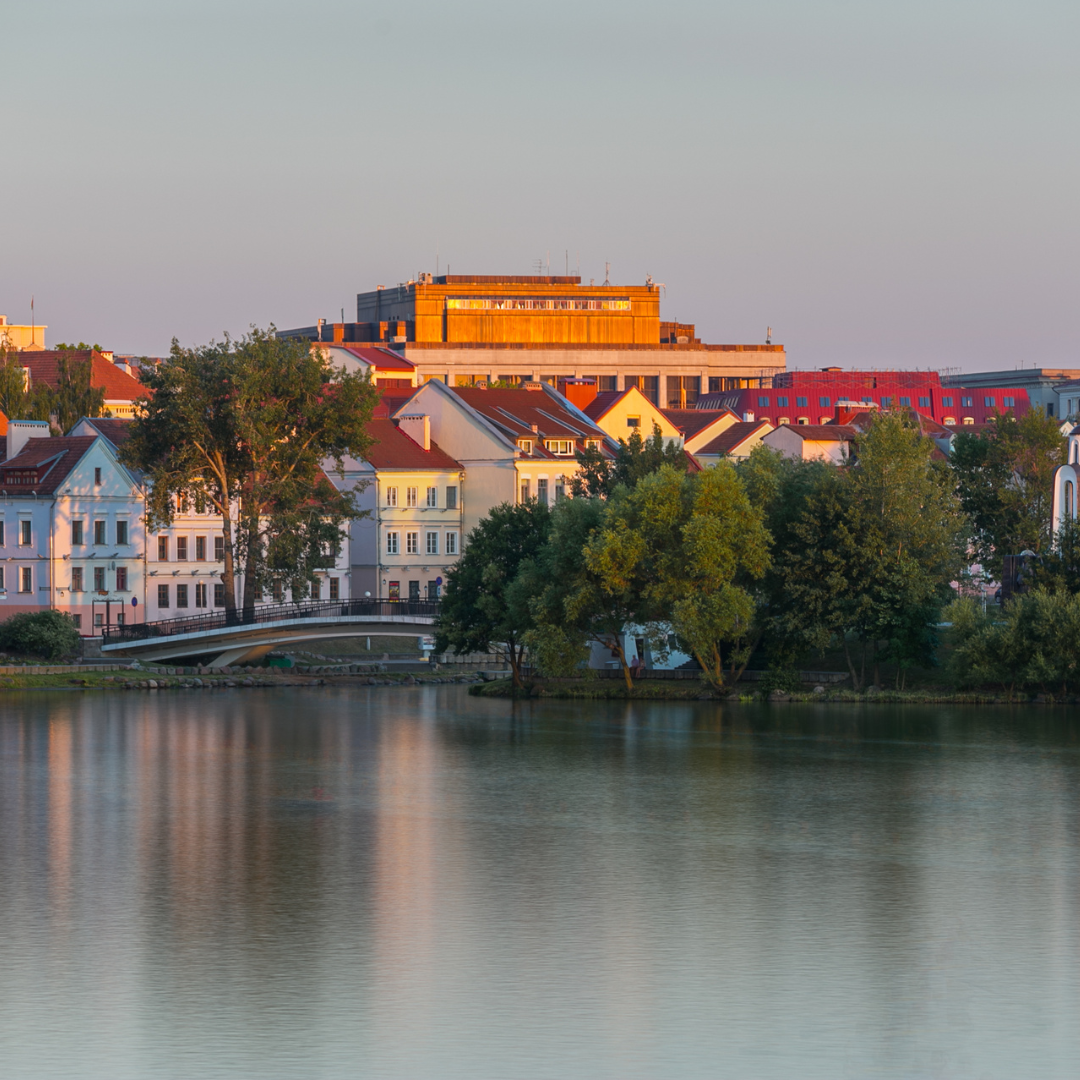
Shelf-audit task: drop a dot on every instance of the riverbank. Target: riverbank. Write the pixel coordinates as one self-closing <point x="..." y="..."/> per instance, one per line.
<point x="596" y="689"/>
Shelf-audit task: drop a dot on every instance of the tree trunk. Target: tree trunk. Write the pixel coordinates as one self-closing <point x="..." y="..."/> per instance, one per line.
<point x="228" y="576"/>
<point x="621" y="653"/>
<point x="851" y="666"/>
<point x="515" y="657"/>
<point x="251" y="569"/>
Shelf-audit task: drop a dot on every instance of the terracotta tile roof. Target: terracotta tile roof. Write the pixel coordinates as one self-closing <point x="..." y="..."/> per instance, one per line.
<point x="49" y="462"/>
<point x="604" y="401"/>
<point x="691" y="421"/>
<point x="516" y="411"/>
<point x="116" y="431"/>
<point x="45" y="368"/>
<point x="395" y="450"/>
<point x="733" y="437"/>
<point x="381" y="359"/>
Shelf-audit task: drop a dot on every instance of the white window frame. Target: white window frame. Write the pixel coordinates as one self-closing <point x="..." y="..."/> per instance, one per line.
<point x="433" y="497"/>
<point x="411" y="494"/>
<point x="431" y="542"/>
<point x="412" y="543"/>
<point x="450" y="542"/>
<point x="391" y="496"/>
<point x="393" y="540"/>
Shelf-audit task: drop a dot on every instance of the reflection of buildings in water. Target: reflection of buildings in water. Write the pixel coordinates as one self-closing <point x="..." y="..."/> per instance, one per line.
<point x="61" y="815"/>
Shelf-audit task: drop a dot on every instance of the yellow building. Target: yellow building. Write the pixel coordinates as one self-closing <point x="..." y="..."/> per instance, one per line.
<point x="21" y="338"/>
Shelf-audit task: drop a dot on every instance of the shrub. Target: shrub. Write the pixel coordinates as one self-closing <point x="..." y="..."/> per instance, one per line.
<point x="41" y="633"/>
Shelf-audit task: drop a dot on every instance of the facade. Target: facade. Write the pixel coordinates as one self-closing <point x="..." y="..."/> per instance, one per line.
<point x="737" y="441"/>
<point x="414" y="494"/>
<point x="1066" y="481"/>
<point x="619" y="413"/>
<point x="469" y="329"/>
<point x="810" y="397"/>
<point x="72" y="532"/>
<point x="388" y="370"/>
<point x="812" y="442"/>
<point x="1047" y="389"/>
<point x="21" y="338"/>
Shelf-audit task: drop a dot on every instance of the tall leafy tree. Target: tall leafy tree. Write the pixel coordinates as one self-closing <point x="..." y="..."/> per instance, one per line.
<point x="1004" y="477"/>
<point x="17" y="400"/>
<point x="483" y="604"/>
<point x="598" y="476"/>
<point x="74" y="396"/>
<point x="247" y="427"/>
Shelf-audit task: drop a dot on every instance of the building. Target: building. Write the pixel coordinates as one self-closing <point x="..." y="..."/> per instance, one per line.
<point x="21" y="338"/>
<point x="71" y="529"/>
<point x="122" y="390"/>
<point x="388" y="370"/>
<point x="737" y="441"/>
<point x="413" y="493"/>
<point x="1053" y="390"/>
<point x="813" y="442"/>
<point x="470" y="329"/>
<point x="621" y="413"/>
<point x="810" y="397"/>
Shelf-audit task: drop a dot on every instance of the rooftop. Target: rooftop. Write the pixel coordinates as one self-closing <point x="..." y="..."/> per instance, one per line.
<point x="393" y="449"/>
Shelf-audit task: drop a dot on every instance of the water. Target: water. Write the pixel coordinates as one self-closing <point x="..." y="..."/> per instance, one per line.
<point x="415" y="883"/>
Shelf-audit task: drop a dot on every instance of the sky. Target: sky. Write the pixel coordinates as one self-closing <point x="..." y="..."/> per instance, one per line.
<point x="884" y="184"/>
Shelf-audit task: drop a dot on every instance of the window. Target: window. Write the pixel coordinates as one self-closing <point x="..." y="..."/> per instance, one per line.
<point x="76" y="619"/>
<point x="181" y="549"/>
<point x="200" y="594"/>
<point x="335" y="588"/>
<point x="1009" y="402"/>
<point x="76" y="579"/>
<point x="804" y="420"/>
<point x="97" y="477"/>
<point x="412" y="543"/>
<point x="801" y="402"/>
<point x="219" y="548"/>
<point x="99" y="533"/>
<point x="433" y="590"/>
<point x="391" y="543"/>
<point x="967" y="403"/>
<point x="121" y="532"/>
<point x="121" y="579"/>
<point x="163" y="596"/>
<point x="783" y="420"/>
<point x="26" y="579"/>
<point x="450" y="543"/>
<point x="99" y="619"/>
<point x="560" y="487"/>
<point x="200" y="549"/>
<point x="924" y="403"/>
<point x="451" y="498"/>
<point x="316" y="588"/>
<point x="414" y="590"/>
<point x="606" y="384"/>
<point x="277" y="592"/>
<point x="163" y="549"/>
<point x="969" y="419"/>
<point x="524" y="491"/>
<point x="541" y="490"/>
<point x="592" y="444"/>
<point x="763" y="402"/>
<point x="77" y="532"/>
<point x="26" y="536"/>
<point x="391" y="496"/>
<point x="989" y="402"/>
<point x="782" y="402"/>
<point x="905" y="401"/>
<point x="633" y="421"/>
<point x="432" y="541"/>
<point x="410" y="496"/>
<point x="947" y="402"/>
<point x="395" y="590"/>
<point x="181" y="596"/>
<point x="99" y="579"/>
<point x="563" y="447"/>
<point x="525" y="446"/>
<point x="886" y="402"/>
<point x="824" y="402"/>
<point x="432" y="496"/>
<point x="949" y="421"/>
<point x="120" y="618"/>
<point x="219" y="595"/>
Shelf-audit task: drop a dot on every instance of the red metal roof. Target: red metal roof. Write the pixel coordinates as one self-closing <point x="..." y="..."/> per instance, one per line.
<point x="394" y="449"/>
<point x="380" y="359"/>
<point x="45" y="367"/>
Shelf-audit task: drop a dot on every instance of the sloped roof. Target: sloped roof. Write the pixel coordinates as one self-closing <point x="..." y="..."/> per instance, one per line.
<point x="733" y="437"/>
<point x="116" y="431"/>
<point x="822" y="432"/>
<point x="691" y="421"/>
<point x="52" y="458"/>
<point x="603" y="403"/>
<point x="118" y="385"/>
<point x="382" y="359"/>
<point x="395" y="450"/>
<point x="516" y="411"/>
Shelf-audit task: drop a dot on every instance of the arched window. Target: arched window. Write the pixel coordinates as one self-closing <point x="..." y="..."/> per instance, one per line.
<point x="1070" y="511"/>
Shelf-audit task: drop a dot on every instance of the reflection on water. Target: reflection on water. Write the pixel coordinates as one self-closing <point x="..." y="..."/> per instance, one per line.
<point x="419" y="884"/>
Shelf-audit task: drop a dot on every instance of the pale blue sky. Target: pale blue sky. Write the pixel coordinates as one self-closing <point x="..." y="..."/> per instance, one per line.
<point x="883" y="183"/>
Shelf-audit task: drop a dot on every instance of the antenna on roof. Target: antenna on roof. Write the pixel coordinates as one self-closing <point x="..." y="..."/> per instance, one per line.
<point x="768" y="336"/>
<point x="607" y="273"/>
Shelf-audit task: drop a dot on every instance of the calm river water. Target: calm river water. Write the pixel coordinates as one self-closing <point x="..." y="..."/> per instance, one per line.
<point x="416" y="883"/>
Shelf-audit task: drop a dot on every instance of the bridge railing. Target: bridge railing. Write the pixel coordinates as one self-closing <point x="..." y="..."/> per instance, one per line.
<point x="268" y="613"/>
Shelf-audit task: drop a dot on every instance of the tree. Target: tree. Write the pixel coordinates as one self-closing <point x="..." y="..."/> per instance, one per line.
<point x="40" y="633"/>
<point x="879" y="543"/>
<point x="483" y="604"/>
<point x="1004" y="478"/>
<point x="1059" y="569"/>
<point x="17" y="402"/>
<point x="598" y="476"/>
<point x="246" y="426"/>
<point x="74" y="396"/>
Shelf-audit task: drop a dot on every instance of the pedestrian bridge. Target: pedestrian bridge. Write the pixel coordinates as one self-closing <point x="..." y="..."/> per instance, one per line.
<point x="217" y="639"/>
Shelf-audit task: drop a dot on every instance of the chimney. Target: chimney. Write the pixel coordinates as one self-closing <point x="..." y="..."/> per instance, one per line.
<point x="578" y="392"/>
<point x="20" y="432"/>
<point x="418" y="428"/>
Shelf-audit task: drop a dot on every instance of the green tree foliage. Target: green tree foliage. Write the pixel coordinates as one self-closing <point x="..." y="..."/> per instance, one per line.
<point x="246" y="426"/>
<point x="484" y="603"/>
<point x="1033" y="643"/>
<point x="598" y="476"/>
<point x="48" y="634"/>
<point x="1059" y="569"/>
<point x="1004" y="477"/>
<point x="74" y="396"/>
<point x="878" y="547"/>
<point x="16" y="401"/>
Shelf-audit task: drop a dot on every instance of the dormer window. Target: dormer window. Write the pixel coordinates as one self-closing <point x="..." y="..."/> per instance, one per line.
<point x="592" y="444"/>
<point x="561" y="447"/>
<point x="525" y="446"/>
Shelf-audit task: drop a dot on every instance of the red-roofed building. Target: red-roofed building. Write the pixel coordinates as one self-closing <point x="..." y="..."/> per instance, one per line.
<point x="388" y="370"/>
<point x="813" y="442"/>
<point x="736" y="440"/>
<point x="122" y="391"/>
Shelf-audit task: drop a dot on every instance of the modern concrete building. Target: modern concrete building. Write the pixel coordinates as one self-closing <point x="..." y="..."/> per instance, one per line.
<point x="469" y="329"/>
